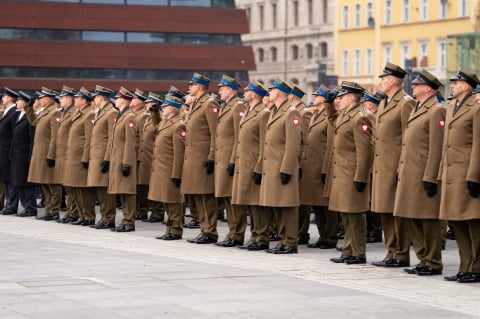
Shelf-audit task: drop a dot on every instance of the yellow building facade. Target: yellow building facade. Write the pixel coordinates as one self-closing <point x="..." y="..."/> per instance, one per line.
<point x="410" y="33"/>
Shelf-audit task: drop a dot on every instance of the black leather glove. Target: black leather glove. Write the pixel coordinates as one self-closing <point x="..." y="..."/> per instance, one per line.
<point x="331" y="97"/>
<point x="323" y="177"/>
<point x="105" y="166"/>
<point x="285" y="178"/>
<point x="155" y="108"/>
<point x="300" y="172"/>
<point x="360" y="186"/>
<point x="177" y="182"/>
<point x="50" y="162"/>
<point x="125" y="170"/>
<point x="231" y="169"/>
<point x="430" y="188"/>
<point x="209" y="165"/>
<point x="85" y="165"/>
<point x="473" y="189"/>
<point x="257" y="177"/>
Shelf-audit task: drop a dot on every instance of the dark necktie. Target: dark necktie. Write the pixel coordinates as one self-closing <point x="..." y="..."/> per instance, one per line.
<point x="457" y="106"/>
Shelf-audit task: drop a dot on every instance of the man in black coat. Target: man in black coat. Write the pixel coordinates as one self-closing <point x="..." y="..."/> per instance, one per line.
<point x="9" y="98"/>
<point x="20" y="153"/>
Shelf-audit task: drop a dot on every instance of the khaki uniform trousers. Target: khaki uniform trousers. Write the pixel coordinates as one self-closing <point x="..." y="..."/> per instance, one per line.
<point x="53" y="198"/>
<point x="108" y="205"/>
<point x="175" y="219"/>
<point x="327" y="224"/>
<point x="287" y="225"/>
<point x="467" y="233"/>
<point x="397" y="236"/>
<point x="85" y="199"/>
<point x="355" y="241"/>
<point x="158" y="210"/>
<point x="129" y="207"/>
<point x="262" y="219"/>
<point x="193" y="208"/>
<point x="374" y="225"/>
<point x="427" y="242"/>
<point x="304" y="220"/>
<point x="142" y="202"/>
<point x="72" y="207"/>
<point x="239" y="222"/>
<point x="206" y="206"/>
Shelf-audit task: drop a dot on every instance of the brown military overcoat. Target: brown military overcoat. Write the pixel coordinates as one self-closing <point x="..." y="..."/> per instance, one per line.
<point x="251" y="136"/>
<point x="200" y="146"/>
<point x="167" y="161"/>
<point x="420" y="161"/>
<point x="391" y="120"/>
<point x="100" y="145"/>
<point x="61" y="143"/>
<point x="225" y="147"/>
<point x="352" y="161"/>
<point x="123" y="152"/>
<point x="280" y="155"/>
<point x="46" y="126"/>
<point x="78" y="147"/>
<point x="313" y="159"/>
<point x="460" y="162"/>
<point x="147" y="140"/>
<point x="305" y="115"/>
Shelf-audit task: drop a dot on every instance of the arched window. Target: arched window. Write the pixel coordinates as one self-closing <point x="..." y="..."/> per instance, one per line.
<point x="273" y="54"/>
<point x="323" y="49"/>
<point x="309" y="50"/>
<point x="260" y="55"/>
<point x="294" y="52"/>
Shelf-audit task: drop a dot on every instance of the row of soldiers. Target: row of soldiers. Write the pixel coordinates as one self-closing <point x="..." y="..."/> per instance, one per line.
<point x="273" y="157"/>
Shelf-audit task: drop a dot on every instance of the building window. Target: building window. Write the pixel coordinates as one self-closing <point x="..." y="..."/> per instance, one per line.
<point x="260" y="16"/>
<point x="294" y="52"/>
<point x="345" y="63"/>
<point x="369" y="12"/>
<point x="310" y="12"/>
<point x="357" y="16"/>
<point x="260" y="54"/>
<point x="273" y="54"/>
<point x="345" y="17"/>
<point x="309" y="50"/>
<point x="442" y="14"/>
<point x="442" y="54"/>
<point x="388" y="12"/>
<point x="274" y="15"/>
<point x="325" y="11"/>
<point x="368" y="61"/>
<point x="424" y="10"/>
<point x="248" y="12"/>
<point x="404" y="53"/>
<point x="423" y="53"/>
<point x="295" y="13"/>
<point x="462" y="8"/>
<point x="405" y="10"/>
<point x="356" y="62"/>
<point x="323" y="49"/>
<point x="387" y="54"/>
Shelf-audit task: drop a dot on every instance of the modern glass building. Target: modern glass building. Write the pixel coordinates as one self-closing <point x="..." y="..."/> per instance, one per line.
<point x="146" y="44"/>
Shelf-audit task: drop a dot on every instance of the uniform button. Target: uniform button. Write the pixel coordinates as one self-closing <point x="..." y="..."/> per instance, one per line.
<point x="448" y="182"/>
<point x="403" y="144"/>
<point x="334" y="162"/>
<point x="449" y="164"/>
<point x="401" y="162"/>
<point x="448" y="146"/>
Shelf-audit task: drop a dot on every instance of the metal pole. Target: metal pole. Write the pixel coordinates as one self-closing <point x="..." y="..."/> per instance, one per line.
<point x="285" y="55"/>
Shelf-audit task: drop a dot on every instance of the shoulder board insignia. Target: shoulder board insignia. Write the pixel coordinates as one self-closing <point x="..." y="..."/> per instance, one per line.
<point x="292" y="108"/>
<point x="407" y="97"/>
<point x="131" y="124"/>
<point x="266" y="109"/>
<point x="442" y="123"/>
<point x="364" y="127"/>
<point x="296" y="121"/>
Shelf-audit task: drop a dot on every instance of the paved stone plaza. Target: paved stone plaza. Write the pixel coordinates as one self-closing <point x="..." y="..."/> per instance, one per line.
<point x="51" y="270"/>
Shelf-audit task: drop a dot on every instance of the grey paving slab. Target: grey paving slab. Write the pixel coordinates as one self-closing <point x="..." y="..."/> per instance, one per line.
<point x="49" y="270"/>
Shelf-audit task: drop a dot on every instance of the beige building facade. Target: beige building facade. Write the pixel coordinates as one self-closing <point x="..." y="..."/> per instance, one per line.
<point x="292" y="39"/>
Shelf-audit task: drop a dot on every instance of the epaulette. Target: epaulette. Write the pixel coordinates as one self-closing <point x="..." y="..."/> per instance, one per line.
<point x="407" y="97"/>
